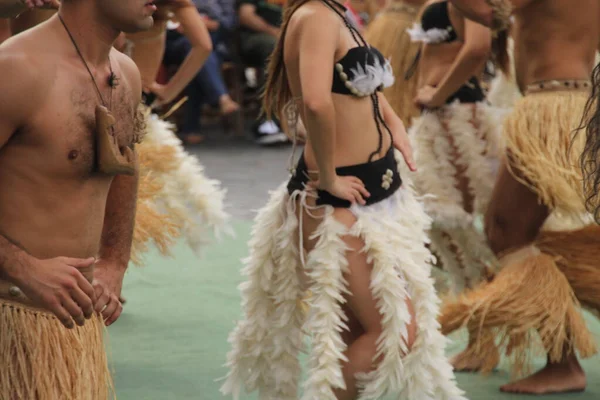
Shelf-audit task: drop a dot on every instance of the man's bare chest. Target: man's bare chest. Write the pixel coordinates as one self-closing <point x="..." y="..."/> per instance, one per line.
<point x="75" y="137"/>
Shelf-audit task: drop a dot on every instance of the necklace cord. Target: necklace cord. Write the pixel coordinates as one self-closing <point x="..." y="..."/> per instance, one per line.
<point x="87" y="67"/>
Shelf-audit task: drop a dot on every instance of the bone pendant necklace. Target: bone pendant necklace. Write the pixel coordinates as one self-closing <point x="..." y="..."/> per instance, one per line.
<point x="111" y="159"/>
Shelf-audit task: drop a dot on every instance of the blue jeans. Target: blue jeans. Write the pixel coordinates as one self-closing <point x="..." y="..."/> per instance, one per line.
<point x="207" y="87"/>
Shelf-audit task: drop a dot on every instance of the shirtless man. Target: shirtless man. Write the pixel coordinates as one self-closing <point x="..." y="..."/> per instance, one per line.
<point x="555" y="46"/>
<point x="66" y="221"/>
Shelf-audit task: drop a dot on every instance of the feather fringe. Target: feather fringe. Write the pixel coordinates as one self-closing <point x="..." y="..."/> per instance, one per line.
<point x="194" y="203"/>
<point x="42" y="359"/>
<point x="151" y="225"/>
<point x="369" y="78"/>
<point x="429" y="36"/>
<point x="394" y="233"/>
<point x="326" y="267"/>
<point x="457" y="140"/>
<point x="248" y="361"/>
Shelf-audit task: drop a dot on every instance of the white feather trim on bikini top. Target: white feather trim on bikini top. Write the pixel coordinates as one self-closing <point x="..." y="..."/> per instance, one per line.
<point x="368" y="78"/>
<point x="430" y="36"/>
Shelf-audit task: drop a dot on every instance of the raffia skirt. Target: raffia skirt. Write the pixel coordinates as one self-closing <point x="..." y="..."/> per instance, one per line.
<point x="533" y="305"/>
<point x="40" y="359"/>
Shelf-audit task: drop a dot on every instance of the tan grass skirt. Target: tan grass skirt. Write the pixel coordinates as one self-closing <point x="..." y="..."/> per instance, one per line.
<point x="538" y="136"/>
<point x="42" y="360"/>
<point x="530" y="306"/>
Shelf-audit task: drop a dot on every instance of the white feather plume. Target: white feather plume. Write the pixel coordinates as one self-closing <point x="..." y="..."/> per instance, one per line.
<point x="368" y="78"/>
<point x="430" y="36"/>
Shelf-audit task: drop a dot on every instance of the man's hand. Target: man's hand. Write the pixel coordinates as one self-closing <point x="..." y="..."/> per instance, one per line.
<point x="59" y="285"/>
<point x="163" y="97"/>
<point x="426" y="97"/>
<point x="107" y="284"/>
<point x="52" y="4"/>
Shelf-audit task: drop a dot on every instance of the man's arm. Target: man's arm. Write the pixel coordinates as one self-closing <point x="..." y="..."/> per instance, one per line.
<point x="249" y="19"/>
<point x="119" y="220"/>
<point x="56" y="284"/>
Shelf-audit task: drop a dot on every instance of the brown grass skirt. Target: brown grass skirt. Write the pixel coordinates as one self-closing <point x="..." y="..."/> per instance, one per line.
<point x="577" y="255"/>
<point x="530" y="302"/>
<point x="42" y="360"/>
<point x="538" y="135"/>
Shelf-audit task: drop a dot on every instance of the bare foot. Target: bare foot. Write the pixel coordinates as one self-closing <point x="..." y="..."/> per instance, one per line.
<point x="565" y="377"/>
<point x="465" y="362"/>
<point x="227" y="105"/>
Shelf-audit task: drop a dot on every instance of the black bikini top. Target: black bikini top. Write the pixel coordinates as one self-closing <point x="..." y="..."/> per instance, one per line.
<point x="435" y="26"/>
<point x="362" y="72"/>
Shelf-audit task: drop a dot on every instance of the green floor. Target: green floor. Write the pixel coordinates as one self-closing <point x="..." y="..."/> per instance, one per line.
<point x="172" y="339"/>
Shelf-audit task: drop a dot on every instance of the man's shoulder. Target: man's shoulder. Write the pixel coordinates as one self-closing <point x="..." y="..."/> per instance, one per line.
<point x="130" y="72"/>
<point x="22" y="60"/>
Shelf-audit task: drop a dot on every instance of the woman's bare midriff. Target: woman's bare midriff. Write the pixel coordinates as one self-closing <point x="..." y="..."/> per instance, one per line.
<point x="356" y="133"/>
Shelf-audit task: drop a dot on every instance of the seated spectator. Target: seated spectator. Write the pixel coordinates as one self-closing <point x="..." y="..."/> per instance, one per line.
<point x="208" y="86"/>
<point x="260" y="21"/>
<point x="221" y="19"/>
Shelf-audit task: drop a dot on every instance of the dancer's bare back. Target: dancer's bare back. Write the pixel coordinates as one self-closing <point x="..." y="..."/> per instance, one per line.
<point x="52" y="199"/>
<point x="555" y="39"/>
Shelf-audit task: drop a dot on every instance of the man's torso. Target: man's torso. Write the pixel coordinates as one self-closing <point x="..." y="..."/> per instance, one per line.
<point x="52" y="199"/>
<point x="556" y="39"/>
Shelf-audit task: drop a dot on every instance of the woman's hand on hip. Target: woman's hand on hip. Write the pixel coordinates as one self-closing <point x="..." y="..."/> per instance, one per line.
<point x="349" y="188"/>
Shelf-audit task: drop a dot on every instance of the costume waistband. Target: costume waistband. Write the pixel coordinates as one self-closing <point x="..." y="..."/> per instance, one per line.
<point x="380" y="177"/>
<point x="13" y="294"/>
<point x="470" y="92"/>
<point x="559" y="85"/>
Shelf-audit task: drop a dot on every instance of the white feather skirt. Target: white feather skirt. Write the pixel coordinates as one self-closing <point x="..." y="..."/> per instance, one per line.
<point x="195" y="201"/>
<point x="458" y="139"/>
<point x="268" y="339"/>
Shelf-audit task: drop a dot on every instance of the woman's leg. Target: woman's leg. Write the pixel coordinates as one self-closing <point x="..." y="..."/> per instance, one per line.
<point x="361" y="307"/>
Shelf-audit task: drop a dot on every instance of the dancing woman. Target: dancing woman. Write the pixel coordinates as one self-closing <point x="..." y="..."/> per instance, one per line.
<point x="345" y="228"/>
<point x="456" y="139"/>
